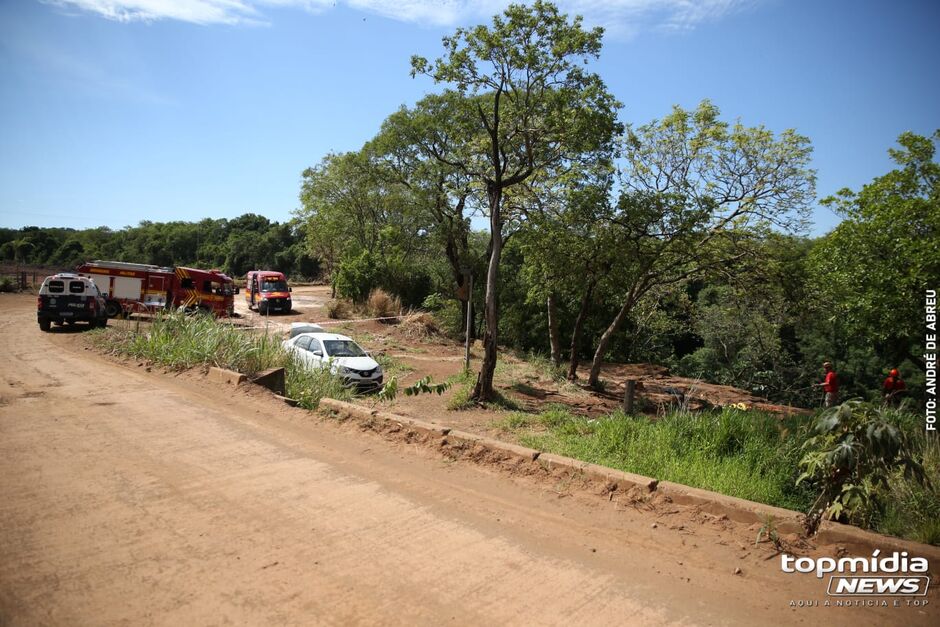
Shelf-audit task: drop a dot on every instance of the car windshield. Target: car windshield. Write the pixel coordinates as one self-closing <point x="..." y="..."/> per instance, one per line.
<point x="343" y="348"/>
<point x="273" y="286"/>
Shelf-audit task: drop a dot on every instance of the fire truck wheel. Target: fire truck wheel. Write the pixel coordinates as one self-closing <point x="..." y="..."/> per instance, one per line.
<point x="113" y="309"/>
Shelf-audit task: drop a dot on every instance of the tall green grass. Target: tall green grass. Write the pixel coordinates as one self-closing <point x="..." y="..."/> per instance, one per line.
<point x="180" y="341"/>
<point x="745" y="454"/>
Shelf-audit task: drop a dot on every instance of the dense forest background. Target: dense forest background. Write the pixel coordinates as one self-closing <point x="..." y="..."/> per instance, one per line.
<point x="235" y="246"/>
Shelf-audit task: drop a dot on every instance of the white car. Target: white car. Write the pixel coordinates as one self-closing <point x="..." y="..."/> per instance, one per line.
<point x="340" y="354"/>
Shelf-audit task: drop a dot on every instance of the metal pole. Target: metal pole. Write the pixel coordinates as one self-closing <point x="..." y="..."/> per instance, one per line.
<point x="466" y="359"/>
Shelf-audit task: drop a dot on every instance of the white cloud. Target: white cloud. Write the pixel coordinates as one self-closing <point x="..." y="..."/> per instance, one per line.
<point x="193" y="11"/>
<point x="620" y="17"/>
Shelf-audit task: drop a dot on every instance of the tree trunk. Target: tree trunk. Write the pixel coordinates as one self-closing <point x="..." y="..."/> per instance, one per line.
<point x="553" y="340"/>
<point x="578" y="328"/>
<point x="483" y="390"/>
<point x="604" y="342"/>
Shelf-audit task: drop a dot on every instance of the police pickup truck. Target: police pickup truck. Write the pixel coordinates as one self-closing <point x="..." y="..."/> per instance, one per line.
<point x="67" y="298"/>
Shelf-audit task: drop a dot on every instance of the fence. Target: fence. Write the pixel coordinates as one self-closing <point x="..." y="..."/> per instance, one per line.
<point x="19" y="281"/>
<point x="25" y="277"/>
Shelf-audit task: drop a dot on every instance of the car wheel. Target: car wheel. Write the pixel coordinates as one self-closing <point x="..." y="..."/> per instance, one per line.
<point x="113" y="309"/>
<point x="44" y="325"/>
<point x="103" y="322"/>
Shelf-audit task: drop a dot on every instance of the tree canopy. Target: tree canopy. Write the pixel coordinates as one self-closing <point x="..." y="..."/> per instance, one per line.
<point x="872" y="270"/>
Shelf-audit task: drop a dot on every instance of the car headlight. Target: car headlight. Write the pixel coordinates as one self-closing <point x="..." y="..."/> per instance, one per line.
<point x="343" y="370"/>
<point x="378" y="370"/>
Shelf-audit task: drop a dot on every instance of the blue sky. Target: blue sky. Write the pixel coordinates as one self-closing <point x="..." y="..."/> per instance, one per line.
<point x="117" y="111"/>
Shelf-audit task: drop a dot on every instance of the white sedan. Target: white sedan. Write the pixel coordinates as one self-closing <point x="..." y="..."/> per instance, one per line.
<point x="340" y="354"/>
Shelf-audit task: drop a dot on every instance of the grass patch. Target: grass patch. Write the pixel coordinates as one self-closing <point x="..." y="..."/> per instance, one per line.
<point x="553" y="416"/>
<point x="544" y="367"/>
<point x="464" y="377"/>
<point x="461" y="399"/>
<point x="392" y="366"/>
<point x="743" y="454"/>
<point x="308" y="386"/>
<point x="179" y="341"/>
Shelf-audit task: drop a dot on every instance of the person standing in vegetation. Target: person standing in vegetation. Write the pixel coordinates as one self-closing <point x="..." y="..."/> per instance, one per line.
<point x="893" y="388"/>
<point x="830" y="385"/>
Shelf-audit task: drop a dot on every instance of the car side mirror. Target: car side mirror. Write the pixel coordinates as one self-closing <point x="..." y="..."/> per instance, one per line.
<point x="318" y="353"/>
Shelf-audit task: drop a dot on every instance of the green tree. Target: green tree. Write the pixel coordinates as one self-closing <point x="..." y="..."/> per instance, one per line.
<point x="695" y="189"/>
<point x="568" y="255"/>
<point x="530" y="107"/>
<point x="870" y="273"/>
<point x="414" y="149"/>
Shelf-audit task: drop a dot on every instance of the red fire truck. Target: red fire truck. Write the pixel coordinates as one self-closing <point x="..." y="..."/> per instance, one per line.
<point x="135" y="287"/>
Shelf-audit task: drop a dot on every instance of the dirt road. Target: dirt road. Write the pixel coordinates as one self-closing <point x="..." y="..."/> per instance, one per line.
<point x="131" y="497"/>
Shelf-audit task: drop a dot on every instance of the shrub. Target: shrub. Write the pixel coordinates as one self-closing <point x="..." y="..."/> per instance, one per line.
<point x="338" y="309"/>
<point x="405" y="278"/>
<point x="855" y="454"/>
<point x="433" y="302"/>
<point x="450" y="318"/>
<point x="856" y="449"/>
<point x="356" y="277"/>
<point x="7" y="285"/>
<point x="382" y="305"/>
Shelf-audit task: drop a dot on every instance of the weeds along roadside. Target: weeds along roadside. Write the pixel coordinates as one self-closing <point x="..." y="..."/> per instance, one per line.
<point x="745" y="454"/>
<point x="179" y="341"/>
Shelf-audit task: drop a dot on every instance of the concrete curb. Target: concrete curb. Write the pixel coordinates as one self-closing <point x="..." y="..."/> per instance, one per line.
<point x="458" y="443"/>
<point x="229" y="377"/>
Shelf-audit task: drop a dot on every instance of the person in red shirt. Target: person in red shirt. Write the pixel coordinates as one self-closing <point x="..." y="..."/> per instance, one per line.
<point x="830" y="385"/>
<point x="893" y="388"/>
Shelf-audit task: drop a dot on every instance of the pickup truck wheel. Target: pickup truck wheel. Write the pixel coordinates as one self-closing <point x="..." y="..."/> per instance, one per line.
<point x="113" y="309"/>
<point x="44" y="325"/>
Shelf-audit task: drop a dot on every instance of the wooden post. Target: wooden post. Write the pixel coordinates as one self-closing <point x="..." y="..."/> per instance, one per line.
<point x="628" y="396"/>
